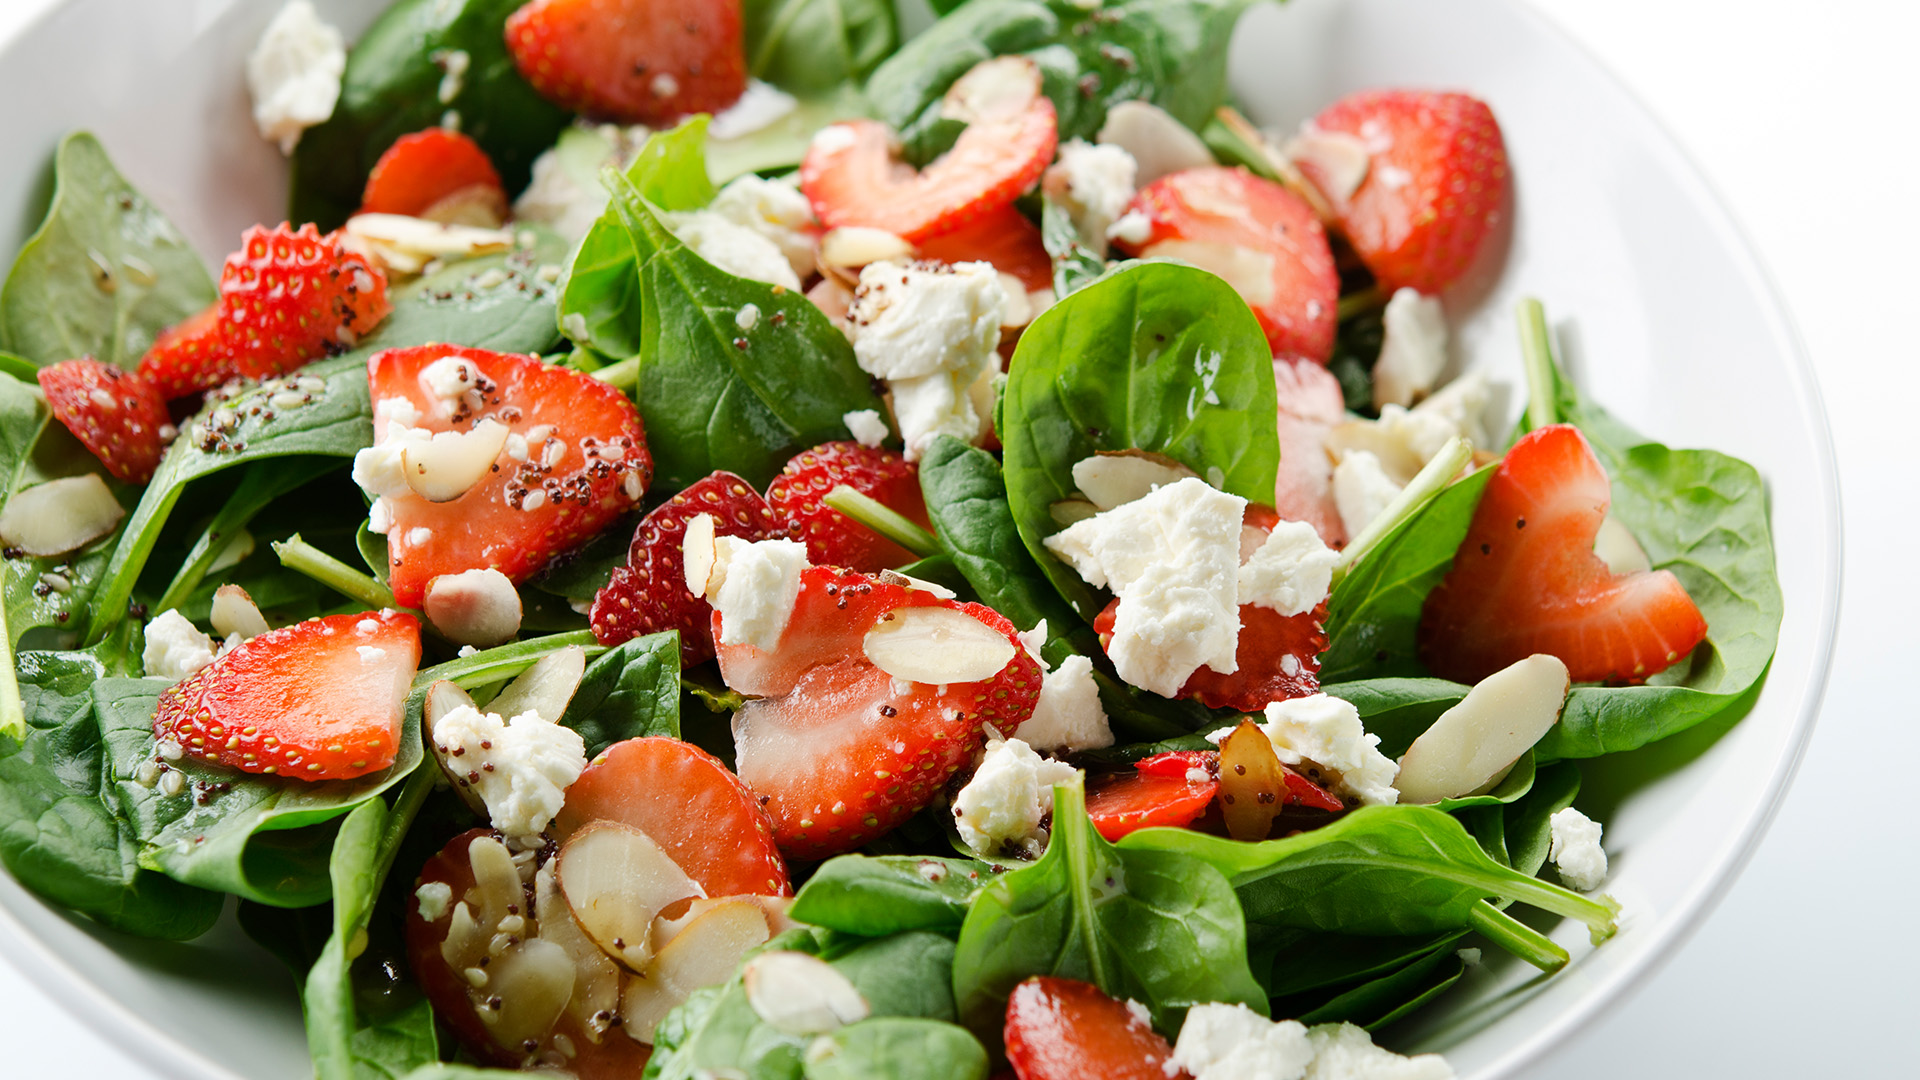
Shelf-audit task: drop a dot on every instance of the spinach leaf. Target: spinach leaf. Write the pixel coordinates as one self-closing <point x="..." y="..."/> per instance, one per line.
<point x="630" y="691"/>
<point x="1381" y="1001"/>
<point x="874" y="897"/>
<point x="1074" y="265"/>
<point x="898" y="1048"/>
<point x="393" y="86"/>
<point x="584" y="573"/>
<point x="782" y="145"/>
<point x="1159" y="927"/>
<point x="1309" y="961"/>
<point x="1525" y="830"/>
<point x="966" y="499"/>
<point x="1168" y="52"/>
<point x="59" y="835"/>
<point x="260" y="484"/>
<point x="811" y="46"/>
<point x="104" y="274"/>
<point x="1154" y="356"/>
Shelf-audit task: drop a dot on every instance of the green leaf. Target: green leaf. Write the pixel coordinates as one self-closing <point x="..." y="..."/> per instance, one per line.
<point x="104" y="274"/>
<point x="630" y="691"/>
<point x="813" y="46"/>
<point x="1525" y="829"/>
<point x="1159" y="927"/>
<point x="392" y="87"/>
<point x="782" y="145"/>
<point x="1306" y="963"/>
<point x="874" y="897"/>
<point x="1380" y="1001"/>
<point x="1154" y="356"/>
<point x="1074" y="265"/>
<point x="898" y="1048"/>
<point x="966" y="501"/>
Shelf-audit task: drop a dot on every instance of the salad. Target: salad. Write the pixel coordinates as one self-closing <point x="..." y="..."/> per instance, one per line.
<point x="723" y="539"/>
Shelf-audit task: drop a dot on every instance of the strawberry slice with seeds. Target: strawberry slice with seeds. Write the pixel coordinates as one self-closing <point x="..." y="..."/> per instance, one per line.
<point x="1435" y="185"/>
<point x="115" y="413"/>
<point x="527" y="460"/>
<point x="649" y="594"/>
<point x="319" y="700"/>
<point x="1147" y="797"/>
<point x="439" y="175"/>
<point x="1065" y="1029"/>
<point x="1526" y="579"/>
<point x="1007" y="239"/>
<point x="1279" y="658"/>
<point x="1256" y="235"/>
<point x="851" y="176"/>
<point x="874" y="695"/>
<point x="831" y="537"/>
<point x="634" y="61"/>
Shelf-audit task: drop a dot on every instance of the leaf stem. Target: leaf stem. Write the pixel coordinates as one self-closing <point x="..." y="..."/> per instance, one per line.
<point x="13" y="714"/>
<point x="1516" y="937"/>
<point x="1536" y="356"/>
<point x="1359" y="303"/>
<point x="624" y="375"/>
<point x="1071" y="827"/>
<point x="1422" y="489"/>
<point x="504" y="661"/>
<point x="303" y="558"/>
<point x="885" y="520"/>
<point x="1254" y="145"/>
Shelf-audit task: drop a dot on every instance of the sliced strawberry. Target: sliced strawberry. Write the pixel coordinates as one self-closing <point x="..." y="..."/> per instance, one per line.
<point x="1126" y="802"/>
<point x="287" y="297"/>
<point x="841" y="750"/>
<point x="1007" y="239"/>
<point x="1279" y="658"/>
<point x="852" y="178"/>
<point x="832" y="538"/>
<point x="574" y="460"/>
<point x="432" y="174"/>
<point x="634" y="61"/>
<point x="1064" y="1029"/>
<point x="687" y="802"/>
<point x="1435" y="186"/>
<point x="1261" y="238"/>
<point x="116" y="414"/>
<point x="1310" y="403"/>
<point x="649" y="594"/>
<point x="1178" y="763"/>
<point x="319" y="700"/>
<point x="1526" y="579"/>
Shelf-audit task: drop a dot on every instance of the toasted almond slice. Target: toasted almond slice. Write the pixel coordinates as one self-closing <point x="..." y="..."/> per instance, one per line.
<point x="1116" y="477"/>
<point x="481" y="206"/>
<point x="706" y="951"/>
<point x="1069" y="511"/>
<point x="998" y="89"/>
<point x="596" y="979"/>
<point x="1159" y="144"/>
<point x="545" y="688"/>
<point x="1341" y="159"/>
<point x="533" y="981"/>
<point x="616" y="880"/>
<point x="447" y="466"/>
<point x="697" y="549"/>
<point x="800" y="994"/>
<point x="851" y="247"/>
<point x="936" y="645"/>
<point x="419" y="237"/>
<point x="895" y="577"/>
<point x="234" y="612"/>
<point x="773" y="907"/>
<point x="474" y="607"/>
<point x="60" y="515"/>
<point x="1480" y="738"/>
<point x="1617" y="547"/>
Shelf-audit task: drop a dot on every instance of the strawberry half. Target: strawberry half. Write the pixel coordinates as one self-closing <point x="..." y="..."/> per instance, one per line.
<point x="634" y="61"/>
<point x="574" y="459"/>
<point x="319" y="700"/>
<point x="1065" y="1029"/>
<point x="851" y="176"/>
<point x="436" y="174"/>
<point x="649" y="594"/>
<point x="832" y="538"/>
<point x="287" y="297"/>
<point x="116" y="414"/>
<point x="1261" y="238"/>
<point x="1435" y="185"/>
<point x="841" y="750"/>
<point x="1150" y="796"/>
<point x="1526" y="579"/>
<point x="1007" y="239"/>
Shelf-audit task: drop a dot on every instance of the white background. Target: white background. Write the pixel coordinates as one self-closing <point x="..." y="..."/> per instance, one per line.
<point x="1803" y="115"/>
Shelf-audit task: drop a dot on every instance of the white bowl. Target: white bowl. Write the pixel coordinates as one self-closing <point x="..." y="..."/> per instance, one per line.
<point x="1665" y="316"/>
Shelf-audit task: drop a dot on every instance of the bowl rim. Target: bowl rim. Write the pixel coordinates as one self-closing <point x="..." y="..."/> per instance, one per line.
<point x="148" y="1045"/>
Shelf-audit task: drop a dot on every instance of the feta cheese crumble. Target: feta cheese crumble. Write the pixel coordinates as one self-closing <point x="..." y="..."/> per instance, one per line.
<point x="1232" y="1042"/>
<point x="294" y="74"/>
<point x="1413" y="351"/>
<point x="1094" y="183"/>
<point x="449" y="378"/>
<point x="1574" y="847"/>
<point x="732" y="247"/>
<point x="521" y="768"/>
<point x="1325" y="734"/>
<point x="753" y="586"/>
<point x="1068" y="716"/>
<point x="436" y="898"/>
<point x="758" y="107"/>
<point x="1361" y="489"/>
<point x="1290" y="572"/>
<point x="925" y="318"/>
<point x="175" y="648"/>
<point x="776" y="210"/>
<point x="866" y="426"/>
<point x="1010" y="794"/>
<point x="1347" y="1052"/>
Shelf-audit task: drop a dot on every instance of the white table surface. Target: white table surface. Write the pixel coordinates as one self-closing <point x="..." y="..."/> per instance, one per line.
<point x="1802" y="115"/>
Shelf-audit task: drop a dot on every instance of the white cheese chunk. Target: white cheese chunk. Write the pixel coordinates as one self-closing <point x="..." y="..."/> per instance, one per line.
<point x="754" y="586"/>
<point x="1413" y="351"/>
<point x="1291" y="572"/>
<point x="915" y="319"/>
<point x="1574" y="847"/>
<point x="777" y="211"/>
<point x="757" y="107"/>
<point x="1324" y="734"/>
<point x="866" y="426"/>
<point x="1347" y="1052"/>
<point x="732" y="247"/>
<point x="1361" y="489"/>
<point x="930" y="406"/>
<point x="175" y="648"/>
<point x="1232" y="1042"/>
<point x="533" y="762"/>
<point x="1068" y="717"/>
<point x="1010" y="794"/>
<point x="294" y="74"/>
<point x="1094" y="183"/>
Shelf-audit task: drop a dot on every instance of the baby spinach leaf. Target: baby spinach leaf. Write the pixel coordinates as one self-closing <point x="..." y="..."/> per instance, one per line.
<point x="1379" y="1002"/>
<point x="630" y="691"/>
<point x="1074" y="265"/>
<point x="811" y="46"/>
<point x="1168" y="52"/>
<point x="59" y="833"/>
<point x="1313" y="964"/>
<point x="104" y="274"/>
<point x="400" y="79"/>
<point x="782" y="145"/>
<point x="966" y="499"/>
<point x="898" y="1048"/>
<point x="1159" y="927"/>
<point x="1154" y="356"/>
<point x="858" y="894"/>
<point x="1525" y="826"/>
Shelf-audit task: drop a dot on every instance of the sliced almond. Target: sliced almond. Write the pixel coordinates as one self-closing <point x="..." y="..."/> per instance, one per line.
<point x="697" y="549"/>
<point x="532" y="981"/>
<point x="480" y="206"/>
<point x="773" y="907"/>
<point x="616" y="880"/>
<point x="545" y="688"/>
<point x="997" y="89"/>
<point x="937" y="645"/>
<point x="1617" y="547"/>
<point x="418" y="237"/>
<point x="60" y="515"/>
<point x="851" y="247"/>
<point x="1160" y="145"/>
<point x="1250" y="272"/>
<point x="1339" y="160"/>
<point x="895" y="577"/>
<point x="706" y="951"/>
<point x="1480" y="738"/>
<point x="473" y="607"/>
<point x="596" y="979"/>
<point x="1116" y="477"/>
<point x="1253" y="783"/>
<point x="800" y="994"/>
<point x="447" y="466"/>
<point x="442" y="698"/>
<point x="1070" y="511"/>
<point x="234" y="612"/>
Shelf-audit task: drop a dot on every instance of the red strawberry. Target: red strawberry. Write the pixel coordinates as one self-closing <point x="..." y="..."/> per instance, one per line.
<point x="832" y="538"/>
<point x="687" y="801"/>
<point x="649" y="594"/>
<point x="851" y="177"/>
<point x="1435" y="187"/>
<point x="1118" y="805"/>
<point x="1064" y="1029"/>
<point x="437" y="174"/>
<point x="575" y="459"/>
<point x="1263" y="239"/>
<point x="287" y="297"/>
<point x="1006" y="239"/>
<point x="1279" y="659"/>
<point x="1526" y="580"/>
<point x="116" y="414"/>
<point x="841" y="750"/>
<point x="319" y="700"/>
<point x="634" y="61"/>
<point x="1310" y="404"/>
